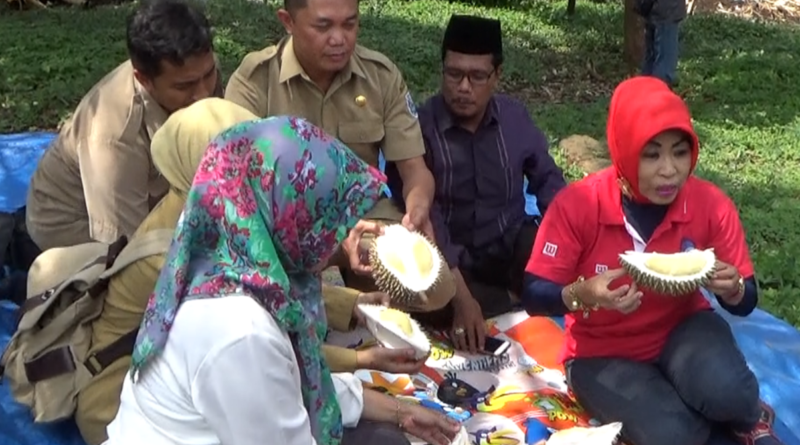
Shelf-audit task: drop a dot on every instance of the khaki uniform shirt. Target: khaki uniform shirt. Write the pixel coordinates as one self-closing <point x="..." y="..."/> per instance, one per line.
<point x="368" y="106"/>
<point x="97" y="181"/>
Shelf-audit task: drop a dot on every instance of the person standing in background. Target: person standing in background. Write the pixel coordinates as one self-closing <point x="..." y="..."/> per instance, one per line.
<point x="662" y="28"/>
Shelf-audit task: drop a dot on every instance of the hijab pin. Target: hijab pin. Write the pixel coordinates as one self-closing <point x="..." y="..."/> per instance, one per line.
<point x="361" y="100"/>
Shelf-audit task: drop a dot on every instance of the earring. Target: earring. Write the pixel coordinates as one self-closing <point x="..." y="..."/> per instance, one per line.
<point x="625" y="187"/>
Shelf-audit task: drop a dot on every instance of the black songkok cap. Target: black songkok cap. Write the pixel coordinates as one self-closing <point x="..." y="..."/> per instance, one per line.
<point x="467" y="34"/>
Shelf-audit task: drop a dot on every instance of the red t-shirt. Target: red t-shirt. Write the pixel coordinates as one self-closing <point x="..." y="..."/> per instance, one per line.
<point x="583" y="234"/>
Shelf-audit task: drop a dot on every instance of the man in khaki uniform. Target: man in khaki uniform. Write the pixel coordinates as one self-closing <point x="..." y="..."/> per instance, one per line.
<point x="356" y="94"/>
<point x="97" y="181"/>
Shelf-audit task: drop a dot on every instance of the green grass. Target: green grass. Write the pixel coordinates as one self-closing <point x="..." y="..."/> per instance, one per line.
<point x="739" y="77"/>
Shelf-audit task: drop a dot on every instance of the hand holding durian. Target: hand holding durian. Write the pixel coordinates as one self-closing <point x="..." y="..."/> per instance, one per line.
<point x="393" y="361"/>
<point x="676" y="275"/>
<point x="595" y="293"/>
<point x="356" y="250"/>
<point x="369" y="298"/>
<point x="727" y="283"/>
<point x="396" y="330"/>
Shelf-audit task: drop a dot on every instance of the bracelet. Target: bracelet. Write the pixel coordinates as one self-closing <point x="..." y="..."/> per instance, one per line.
<point x="397" y="414"/>
<point x="575" y="303"/>
<point x="739" y="288"/>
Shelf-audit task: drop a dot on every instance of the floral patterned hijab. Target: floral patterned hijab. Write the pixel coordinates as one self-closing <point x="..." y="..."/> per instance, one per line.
<point x="271" y="201"/>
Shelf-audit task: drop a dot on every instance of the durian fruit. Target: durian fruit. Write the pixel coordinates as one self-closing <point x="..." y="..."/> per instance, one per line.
<point x="670" y="274"/>
<point x="395" y="329"/>
<point x="399" y="319"/>
<point x="405" y="265"/>
<point x="601" y="435"/>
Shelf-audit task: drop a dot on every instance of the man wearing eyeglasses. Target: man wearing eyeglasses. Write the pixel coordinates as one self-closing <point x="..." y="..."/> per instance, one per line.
<point x="480" y="146"/>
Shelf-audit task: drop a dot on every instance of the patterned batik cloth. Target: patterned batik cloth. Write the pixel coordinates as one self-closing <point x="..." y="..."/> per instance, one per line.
<point x="271" y="201"/>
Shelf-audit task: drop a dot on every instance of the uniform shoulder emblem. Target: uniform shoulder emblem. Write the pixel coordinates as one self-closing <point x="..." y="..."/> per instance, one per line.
<point x="256" y="59"/>
<point x="412" y="107"/>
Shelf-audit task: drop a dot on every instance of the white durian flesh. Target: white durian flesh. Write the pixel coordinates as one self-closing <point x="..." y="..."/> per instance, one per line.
<point x="601" y="435"/>
<point x="670" y="274"/>
<point x="405" y="265"/>
<point x="395" y="329"/>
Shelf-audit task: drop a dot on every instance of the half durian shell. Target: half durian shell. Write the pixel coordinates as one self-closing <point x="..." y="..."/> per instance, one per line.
<point x="406" y="265"/>
<point x="673" y="274"/>
<point x="395" y="329"/>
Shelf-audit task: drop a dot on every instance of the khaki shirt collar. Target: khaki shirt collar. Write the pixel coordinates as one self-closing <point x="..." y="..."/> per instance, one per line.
<point x="154" y="115"/>
<point x="290" y="66"/>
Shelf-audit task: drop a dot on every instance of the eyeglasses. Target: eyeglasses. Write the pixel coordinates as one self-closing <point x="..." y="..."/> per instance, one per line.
<point x="476" y="78"/>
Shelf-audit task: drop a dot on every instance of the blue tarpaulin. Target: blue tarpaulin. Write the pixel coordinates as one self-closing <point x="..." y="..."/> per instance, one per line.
<point x="19" y="154"/>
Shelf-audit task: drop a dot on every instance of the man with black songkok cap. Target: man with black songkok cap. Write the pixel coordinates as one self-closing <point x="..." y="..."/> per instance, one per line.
<point x="480" y="146"/>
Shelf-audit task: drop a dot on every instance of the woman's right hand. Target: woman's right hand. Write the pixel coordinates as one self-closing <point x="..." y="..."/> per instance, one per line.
<point x="431" y="426"/>
<point x="393" y="361"/>
<point x="354" y="248"/>
<point x="595" y="292"/>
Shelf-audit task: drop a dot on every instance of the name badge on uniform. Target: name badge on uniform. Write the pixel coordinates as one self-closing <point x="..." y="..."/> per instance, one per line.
<point x="412" y="108"/>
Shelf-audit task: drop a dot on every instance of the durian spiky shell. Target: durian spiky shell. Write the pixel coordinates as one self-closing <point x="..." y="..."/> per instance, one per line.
<point x="391" y="285"/>
<point x="391" y="336"/>
<point x="633" y="263"/>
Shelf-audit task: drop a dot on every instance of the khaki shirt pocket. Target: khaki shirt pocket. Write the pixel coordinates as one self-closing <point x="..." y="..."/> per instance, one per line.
<point x="364" y="138"/>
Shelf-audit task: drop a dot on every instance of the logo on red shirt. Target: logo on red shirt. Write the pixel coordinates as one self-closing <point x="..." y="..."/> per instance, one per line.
<point x="550" y="249"/>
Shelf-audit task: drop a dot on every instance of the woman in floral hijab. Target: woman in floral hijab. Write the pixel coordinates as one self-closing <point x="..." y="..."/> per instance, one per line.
<point x="229" y="348"/>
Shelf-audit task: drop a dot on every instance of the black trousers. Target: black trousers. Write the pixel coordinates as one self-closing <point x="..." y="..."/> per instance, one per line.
<point x="17" y="252"/>
<point x="699" y="384"/>
<point x="490" y="274"/>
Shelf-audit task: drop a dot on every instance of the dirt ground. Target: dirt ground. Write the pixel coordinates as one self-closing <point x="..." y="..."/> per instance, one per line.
<point x="767" y="10"/>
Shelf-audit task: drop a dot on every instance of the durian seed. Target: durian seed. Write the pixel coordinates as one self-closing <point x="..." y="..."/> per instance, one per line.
<point x="422" y="257"/>
<point x="399" y="319"/>
<point x="396" y="263"/>
<point x="676" y="266"/>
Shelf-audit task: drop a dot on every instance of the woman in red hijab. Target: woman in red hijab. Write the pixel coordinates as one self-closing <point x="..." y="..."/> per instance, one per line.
<point x="667" y="367"/>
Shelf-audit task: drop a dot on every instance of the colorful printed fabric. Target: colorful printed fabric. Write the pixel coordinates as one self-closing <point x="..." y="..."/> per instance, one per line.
<point x="270" y="203"/>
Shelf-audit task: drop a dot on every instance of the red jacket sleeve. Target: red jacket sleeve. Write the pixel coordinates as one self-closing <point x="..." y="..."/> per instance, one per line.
<point x="559" y="245"/>
<point x="728" y="237"/>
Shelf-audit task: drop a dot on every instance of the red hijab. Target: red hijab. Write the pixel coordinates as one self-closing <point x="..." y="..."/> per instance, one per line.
<point x="641" y="108"/>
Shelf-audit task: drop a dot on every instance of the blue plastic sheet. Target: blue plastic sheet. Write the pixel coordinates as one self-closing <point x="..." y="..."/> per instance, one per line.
<point x="19" y="154"/>
<point x="16" y="424"/>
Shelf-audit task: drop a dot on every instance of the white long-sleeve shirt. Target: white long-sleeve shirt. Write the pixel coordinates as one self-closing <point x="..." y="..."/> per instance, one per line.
<point x="227" y="375"/>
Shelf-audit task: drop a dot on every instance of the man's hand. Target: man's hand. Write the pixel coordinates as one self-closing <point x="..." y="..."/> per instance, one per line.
<point x="418" y="218"/>
<point x="393" y="361"/>
<point x="356" y="255"/>
<point x="378" y="298"/>
<point x="469" y="327"/>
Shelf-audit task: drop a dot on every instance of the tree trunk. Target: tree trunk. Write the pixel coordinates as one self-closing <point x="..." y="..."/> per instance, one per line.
<point x="634" y="37"/>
